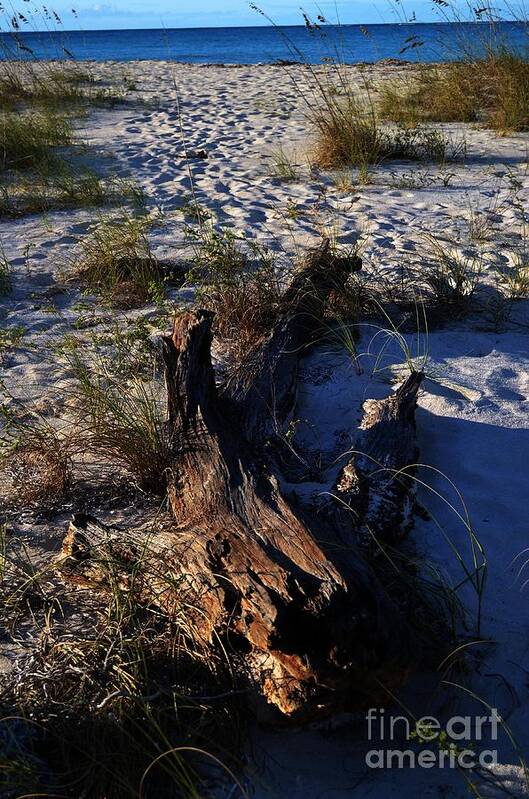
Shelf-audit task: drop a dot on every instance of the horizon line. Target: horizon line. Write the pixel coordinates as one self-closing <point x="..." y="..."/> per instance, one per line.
<point x="263" y="25"/>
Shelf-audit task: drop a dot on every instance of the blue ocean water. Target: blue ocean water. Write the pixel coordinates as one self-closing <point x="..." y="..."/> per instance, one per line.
<point x="351" y="43"/>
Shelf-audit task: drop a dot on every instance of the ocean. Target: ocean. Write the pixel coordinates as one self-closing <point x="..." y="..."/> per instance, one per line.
<point x="265" y="44"/>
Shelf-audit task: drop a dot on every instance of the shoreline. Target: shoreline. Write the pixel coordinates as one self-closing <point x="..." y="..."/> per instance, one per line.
<point x="390" y="62"/>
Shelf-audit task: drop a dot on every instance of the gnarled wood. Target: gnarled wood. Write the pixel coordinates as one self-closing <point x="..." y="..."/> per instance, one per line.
<point x="374" y="497"/>
<point x="298" y="602"/>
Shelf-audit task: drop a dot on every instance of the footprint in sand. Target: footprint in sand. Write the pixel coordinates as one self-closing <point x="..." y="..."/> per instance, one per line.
<point x="499" y="380"/>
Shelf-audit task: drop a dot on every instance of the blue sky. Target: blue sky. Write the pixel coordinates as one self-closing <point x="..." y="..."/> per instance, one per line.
<point x="213" y="13"/>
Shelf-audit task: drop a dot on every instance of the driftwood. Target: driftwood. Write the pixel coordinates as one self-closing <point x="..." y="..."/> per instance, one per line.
<point x="296" y="600"/>
<point x="374" y="497"/>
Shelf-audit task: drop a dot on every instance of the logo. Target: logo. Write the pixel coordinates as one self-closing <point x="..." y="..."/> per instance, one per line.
<point x="425" y="743"/>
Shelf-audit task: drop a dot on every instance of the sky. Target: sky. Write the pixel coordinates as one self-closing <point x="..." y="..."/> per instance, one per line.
<point x="104" y="14"/>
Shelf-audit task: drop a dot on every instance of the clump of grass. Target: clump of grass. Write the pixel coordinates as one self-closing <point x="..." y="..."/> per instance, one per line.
<point x="349" y="133"/>
<point x="493" y="90"/>
<point x="239" y="281"/>
<point x="5" y="274"/>
<point x="116" y="261"/>
<point x="52" y="85"/>
<point x="345" y="116"/>
<point x="36" y="459"/>
<point x="27" y="139"/>
<point x="72" y="742"/>
<point x="64" y="187"/>
<point x="510" y="80"/>
<point x="513" y="277"/>
<point x="344" y="182"/>
<point x="480" y="225"/>
<point x="283" y="167"/>
<point x="116" y="706"/>
<point x="441" y="94"/>
<point x="121" y="414"/>
<point x="243" y="283"/>
<point x="451" y="275"/>
<point x="361" y="296"/>
<point x="422" y="143"/>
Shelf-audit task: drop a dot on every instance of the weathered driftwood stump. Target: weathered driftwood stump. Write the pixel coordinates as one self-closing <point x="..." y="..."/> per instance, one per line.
<point x="294" y="598"/>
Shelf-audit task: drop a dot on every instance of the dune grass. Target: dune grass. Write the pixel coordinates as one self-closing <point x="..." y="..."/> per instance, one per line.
<point x="350" y="133"/>
<point x="38" y="99"/>
<point x="116" y="261"/>
<point x="27" y="79"/>
<point x="53" y="86"/>
<point x="451" y="275"/>
<point x="119" y="407"/>
<point x="37" y="174"/>
<point x="513" y="277"/>
<point x="239" y="280"/>
<point x="34" y="457"/>
<point x="126" y="424"/>
<point x="63" y="187"/>
<point x="343" y="113"/>
<point x="27" y="140"/>
<point x="493" y="90"/>
<point x="283" y="166"/>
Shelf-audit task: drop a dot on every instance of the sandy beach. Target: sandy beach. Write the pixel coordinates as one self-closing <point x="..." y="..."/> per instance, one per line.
<point x="214" y="135"/>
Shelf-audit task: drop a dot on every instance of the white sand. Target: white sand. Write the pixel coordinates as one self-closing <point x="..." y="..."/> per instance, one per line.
<point x="481" y="441"/>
